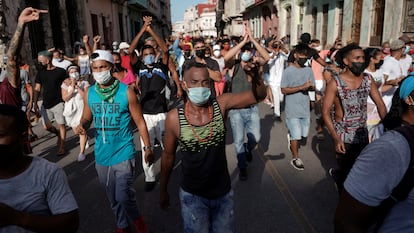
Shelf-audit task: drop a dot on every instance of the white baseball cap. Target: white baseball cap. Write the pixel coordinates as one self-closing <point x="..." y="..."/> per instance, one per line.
<point x="216" y="47"/>
<point x="102" y="55"/>
<point x="123" y="45"/>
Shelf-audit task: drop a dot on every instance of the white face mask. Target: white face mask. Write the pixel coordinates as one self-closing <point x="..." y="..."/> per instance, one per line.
<point x="216" y="53"/>
<point x="74" y="75"/>
<point x="318" y="48"/>
<point x="102" y="77"/>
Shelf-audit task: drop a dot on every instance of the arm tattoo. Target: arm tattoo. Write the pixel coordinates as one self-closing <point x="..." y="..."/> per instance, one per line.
<point x="12" y="53"/>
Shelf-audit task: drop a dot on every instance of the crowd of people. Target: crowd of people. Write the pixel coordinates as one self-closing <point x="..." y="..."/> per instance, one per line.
<point x="178" y="92"/>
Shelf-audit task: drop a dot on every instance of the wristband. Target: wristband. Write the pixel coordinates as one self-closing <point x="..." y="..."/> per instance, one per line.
<point x="146" y="148"/>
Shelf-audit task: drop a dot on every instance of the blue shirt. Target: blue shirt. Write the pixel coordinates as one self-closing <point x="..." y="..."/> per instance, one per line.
<point x="114" y="138"/>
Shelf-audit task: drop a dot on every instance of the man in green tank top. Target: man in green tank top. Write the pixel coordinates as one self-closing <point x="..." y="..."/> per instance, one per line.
<point x="198" y="127"/>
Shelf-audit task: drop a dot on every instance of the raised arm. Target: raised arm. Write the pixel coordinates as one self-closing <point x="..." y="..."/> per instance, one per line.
<point x="135" y="41"/>
<point x="96" y="40"/>
<point x="261" y="50"/>
<point x="85" y="40"/>
<point x="258" y="93"/>
<point x="28" y="14"/>
<point x="229" y="57"/>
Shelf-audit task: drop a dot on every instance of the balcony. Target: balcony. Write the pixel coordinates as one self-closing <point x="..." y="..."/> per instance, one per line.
<point x="139" y="3"/>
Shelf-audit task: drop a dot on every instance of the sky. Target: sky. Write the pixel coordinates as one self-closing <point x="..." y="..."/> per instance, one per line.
<point x="179" y="6"/>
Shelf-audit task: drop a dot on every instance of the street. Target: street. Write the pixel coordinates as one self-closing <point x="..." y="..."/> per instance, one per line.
<point x="275" y="198"/>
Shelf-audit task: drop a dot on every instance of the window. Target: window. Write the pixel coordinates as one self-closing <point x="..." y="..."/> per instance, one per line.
<point x="95" y="27"/>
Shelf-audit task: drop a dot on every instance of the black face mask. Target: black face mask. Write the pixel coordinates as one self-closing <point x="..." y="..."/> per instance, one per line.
<point x="357" y="68"/>
<point x="8" y="152"/>
<point x="302" y="61"/>
<point x="118" y="67"/>
<point x="379" y="64"/>
<point x="201" y="53"/>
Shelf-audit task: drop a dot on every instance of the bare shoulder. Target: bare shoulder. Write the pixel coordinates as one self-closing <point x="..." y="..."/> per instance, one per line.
<point x="172" y="123"/>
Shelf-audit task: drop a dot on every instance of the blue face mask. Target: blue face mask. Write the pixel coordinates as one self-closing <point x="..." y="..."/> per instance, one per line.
<point x="407" y="49"/>
<point x="199" y="95"/>
<point x="246" y="56"/>
<point x="149" y="59"/>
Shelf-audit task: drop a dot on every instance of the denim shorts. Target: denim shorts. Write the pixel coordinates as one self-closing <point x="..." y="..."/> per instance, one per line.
<point x="202" y="215"/>
<point x="298" y="127"/>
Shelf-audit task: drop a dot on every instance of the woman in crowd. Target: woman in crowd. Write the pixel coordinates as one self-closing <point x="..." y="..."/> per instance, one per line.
<point x="373" y="64"/>
<point x="73" y="93"/>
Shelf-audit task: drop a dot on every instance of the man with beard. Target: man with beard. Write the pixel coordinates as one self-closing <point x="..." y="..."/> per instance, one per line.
<point x="348" y="92"/>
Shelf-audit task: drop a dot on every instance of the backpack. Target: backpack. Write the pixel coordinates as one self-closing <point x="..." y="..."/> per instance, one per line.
<point x="403" y="189"/>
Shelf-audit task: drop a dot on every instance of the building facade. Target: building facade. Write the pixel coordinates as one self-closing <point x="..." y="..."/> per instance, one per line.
<point x="367" y="22"/>
<point x="68" y="20"/>
<point x="200" y="20"/>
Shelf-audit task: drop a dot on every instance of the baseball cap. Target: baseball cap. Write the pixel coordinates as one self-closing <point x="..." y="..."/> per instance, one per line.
<point x="396" y="44"/>
<point x="123" y="45"/>
<point x="216" y="47"/>
<point x="102" y="55"/>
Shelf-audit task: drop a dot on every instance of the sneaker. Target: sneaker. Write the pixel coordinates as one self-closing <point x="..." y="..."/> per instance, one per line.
<point x="297" y="164"/>
<point x="149" y="186"/>
<point x="289" y="145"/>
<point x="81" y="157"/>
<point x="140" y="225"/>
<point x="87" y="144"/>
<point x="243" y="174"/>
<point x="267" y="101"/>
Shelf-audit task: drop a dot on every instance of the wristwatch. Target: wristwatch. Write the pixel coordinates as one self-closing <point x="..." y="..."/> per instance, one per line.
<point x="146" y="148"/>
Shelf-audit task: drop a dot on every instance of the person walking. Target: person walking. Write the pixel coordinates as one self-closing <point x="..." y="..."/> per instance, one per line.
<point x="111" y="105"/>
<point x="73" y="93"/>
<point x="199" y="128"/>
<point x="297" y="81"/>
<point x="348" y="92"/>
<point x="50" y="78"/>
<point x="246" y="120"/>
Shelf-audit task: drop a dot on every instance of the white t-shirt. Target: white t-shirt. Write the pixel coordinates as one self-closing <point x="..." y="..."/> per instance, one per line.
<point x="406" y="63"/>
<point x="393" y="69"/>
<point x="378" y="78"/>
<point x="276" y="67"/>
<point x="42" y="190"/>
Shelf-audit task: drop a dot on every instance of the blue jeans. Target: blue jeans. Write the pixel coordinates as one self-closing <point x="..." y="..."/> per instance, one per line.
<point x="117" y="180"/>
<point x="202" y="215"/>
<point x="245" y="120"/>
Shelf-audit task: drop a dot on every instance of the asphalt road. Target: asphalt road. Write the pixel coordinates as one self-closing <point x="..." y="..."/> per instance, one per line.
<point x="275" y="198"/>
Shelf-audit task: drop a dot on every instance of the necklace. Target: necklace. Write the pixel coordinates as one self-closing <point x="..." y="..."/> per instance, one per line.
<point x="210" y="111"/>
